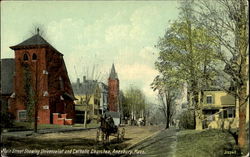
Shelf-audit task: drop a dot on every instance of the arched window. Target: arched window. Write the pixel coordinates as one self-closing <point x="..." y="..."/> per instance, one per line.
<point x="25" y="57"/>
<point x="34" y="56"/>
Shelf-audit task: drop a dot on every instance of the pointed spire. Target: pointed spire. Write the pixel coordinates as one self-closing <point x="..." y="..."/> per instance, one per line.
<point x="113" y="74"/>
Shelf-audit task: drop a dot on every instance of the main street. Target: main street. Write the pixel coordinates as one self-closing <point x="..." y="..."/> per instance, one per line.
<point x="78" y="140"/>
<point x="162" y="144"/>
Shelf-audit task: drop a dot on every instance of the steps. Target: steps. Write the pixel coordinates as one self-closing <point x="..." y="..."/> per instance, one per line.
<point x="61" y="119"/>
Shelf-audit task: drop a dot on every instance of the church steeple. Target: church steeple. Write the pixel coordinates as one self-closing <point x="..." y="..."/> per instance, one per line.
<point x="113" y="74"/>
<point x="113" y="91"/>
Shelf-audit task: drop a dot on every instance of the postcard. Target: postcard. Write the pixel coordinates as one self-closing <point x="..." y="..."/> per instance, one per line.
<point x="125" y="78"/>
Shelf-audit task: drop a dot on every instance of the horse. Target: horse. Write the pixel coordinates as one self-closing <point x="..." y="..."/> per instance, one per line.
<point x="107" y="127"/>
<point x="141" y="122"/>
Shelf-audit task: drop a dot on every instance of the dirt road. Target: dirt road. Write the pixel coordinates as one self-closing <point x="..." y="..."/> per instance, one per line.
<point x="79" y="140"/>
<point x="133" y="134"/>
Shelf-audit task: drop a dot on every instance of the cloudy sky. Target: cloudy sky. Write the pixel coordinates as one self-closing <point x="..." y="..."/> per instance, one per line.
<point x="95" y="33"/>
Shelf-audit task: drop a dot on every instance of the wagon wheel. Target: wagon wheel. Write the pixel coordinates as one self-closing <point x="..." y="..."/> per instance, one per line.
<point x="97" y="135"/>
<point x="118" y="135"/>
<point x="102" y="136"/>
<point x="122" y="134"/>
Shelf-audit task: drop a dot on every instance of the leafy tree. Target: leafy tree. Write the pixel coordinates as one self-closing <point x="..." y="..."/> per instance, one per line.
<point x="228" y="23"/>
<point x="186" y="50"/>
<point x="135" y="102"/>
<point x="125" y="106"/>
<point x="187" y="120"/>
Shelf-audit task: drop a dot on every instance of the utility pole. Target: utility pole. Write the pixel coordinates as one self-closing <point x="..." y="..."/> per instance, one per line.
<point x="36" y="93"/>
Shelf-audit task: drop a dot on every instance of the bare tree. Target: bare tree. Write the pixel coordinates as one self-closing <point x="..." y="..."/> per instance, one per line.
<point x="167" y="93"/>
<point x="167" y="106"/>
<point x="89" y="89"/>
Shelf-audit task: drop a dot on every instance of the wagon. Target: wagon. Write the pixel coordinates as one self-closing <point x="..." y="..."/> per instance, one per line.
<point x="108" y="128"/>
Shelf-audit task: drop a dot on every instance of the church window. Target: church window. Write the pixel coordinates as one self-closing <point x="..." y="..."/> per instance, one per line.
<point x="61" y="84"/>
<point x="34" y="56"/>
<point x="25" y="57"/>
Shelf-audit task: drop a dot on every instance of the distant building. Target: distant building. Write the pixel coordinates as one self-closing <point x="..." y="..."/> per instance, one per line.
<point x="88" y="94"/>
<point x="104" y="97"/>
<point x="40" y="69"/>
<point x="114" y="97"/>
<point x="7" y="75"/>
<point x="113" y="91"/>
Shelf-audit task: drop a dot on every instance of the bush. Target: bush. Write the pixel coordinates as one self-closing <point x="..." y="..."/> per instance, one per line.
<point x="187" y="120"/>
<point x="6" y="120"/>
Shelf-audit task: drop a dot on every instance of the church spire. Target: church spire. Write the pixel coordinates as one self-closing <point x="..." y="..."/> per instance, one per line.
<point x="113" y="74"/>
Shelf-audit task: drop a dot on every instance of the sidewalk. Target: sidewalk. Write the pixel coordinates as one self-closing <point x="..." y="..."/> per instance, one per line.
<point x="161" y="144"/>
<point x="42" y="131"/>
<point x="144" y="139"/>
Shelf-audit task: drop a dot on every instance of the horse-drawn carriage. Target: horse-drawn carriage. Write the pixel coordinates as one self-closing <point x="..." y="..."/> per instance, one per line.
<point x="109" y="128"/>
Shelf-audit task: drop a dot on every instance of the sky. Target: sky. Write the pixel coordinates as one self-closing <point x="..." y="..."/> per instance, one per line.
<point x="94" y="34"/>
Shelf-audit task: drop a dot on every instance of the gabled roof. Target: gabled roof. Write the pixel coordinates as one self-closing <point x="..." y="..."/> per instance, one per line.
<point x="7" y="73"/>
<point x="34" y="41"/>
<point x="87" y="87"/>
<point x="113" y="74"/>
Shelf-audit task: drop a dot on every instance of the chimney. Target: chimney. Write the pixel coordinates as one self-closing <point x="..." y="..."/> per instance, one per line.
<point x="78" y="83"/>
<point x="84" y="79"/>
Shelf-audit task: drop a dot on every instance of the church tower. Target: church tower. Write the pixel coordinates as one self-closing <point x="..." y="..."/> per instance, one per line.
<point x="30" y="75"/>
<point x="40" y="81"/>
<point x="113" y="91"/>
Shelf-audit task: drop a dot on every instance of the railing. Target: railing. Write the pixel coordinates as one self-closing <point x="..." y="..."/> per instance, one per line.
<point x="209" y="119"/>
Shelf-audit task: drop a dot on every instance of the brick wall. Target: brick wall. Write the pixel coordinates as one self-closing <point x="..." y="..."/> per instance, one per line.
<point x="38" y="81"/>
<point x="45" y="72"/>
<point x="61" y="119"/>
<point x="113" y="93"/>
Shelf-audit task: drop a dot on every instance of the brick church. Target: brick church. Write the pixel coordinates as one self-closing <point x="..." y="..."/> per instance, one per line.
<point x="113" y="91"/>
<point x="114" y="97"/>
<point x="40" y="72"/>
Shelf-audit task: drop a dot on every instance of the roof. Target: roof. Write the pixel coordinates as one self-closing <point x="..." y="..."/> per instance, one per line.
<point x="87" y="87"/>
<point x="7" y="73"/>
<point x="113" y="74"/>
<point x="34" y="41"/>
<point x="69" y="96"/>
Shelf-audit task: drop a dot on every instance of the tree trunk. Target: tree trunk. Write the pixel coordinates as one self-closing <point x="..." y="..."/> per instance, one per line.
<point x="243" y="44"/>
<point x="198" y="121"/>
<point x="242" y="116"/>
<point x="35" y="123"/>
<point x="242" y="127"/>
<point x="167" y="121"/>
<point x="167" y="125"/>
<point x="197" y="113"/>
<point x="168" y="115"/>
